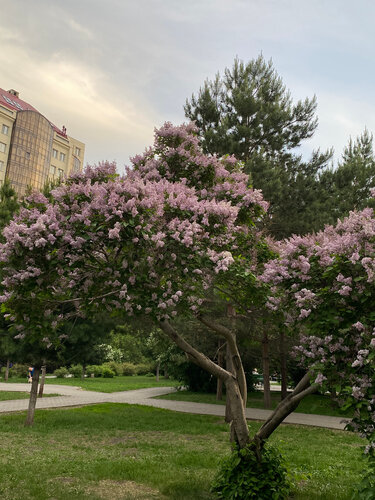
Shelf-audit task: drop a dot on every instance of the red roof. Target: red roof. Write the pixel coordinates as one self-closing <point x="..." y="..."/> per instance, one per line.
<point x="13" y="102"/>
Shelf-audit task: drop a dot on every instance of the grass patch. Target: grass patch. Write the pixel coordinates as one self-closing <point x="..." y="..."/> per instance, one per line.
<point x="123" y="451"/>
<point x="115" y="384"/>
<point x="316" y="404"/>
<point x="10" y="395"/>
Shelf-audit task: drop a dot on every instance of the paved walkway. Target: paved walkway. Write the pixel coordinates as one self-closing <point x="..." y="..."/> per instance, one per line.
<point x="75" y="396"/>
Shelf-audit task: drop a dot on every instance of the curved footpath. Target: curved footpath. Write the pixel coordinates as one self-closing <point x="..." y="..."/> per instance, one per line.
<point x="75" y="396"/>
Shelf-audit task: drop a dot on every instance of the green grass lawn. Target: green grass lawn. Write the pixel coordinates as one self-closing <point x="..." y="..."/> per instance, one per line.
<point x="315" y="403"/>
<point x="114" y="384"/>
<point x="8" y="395"/>
<point x="113" y="451"/>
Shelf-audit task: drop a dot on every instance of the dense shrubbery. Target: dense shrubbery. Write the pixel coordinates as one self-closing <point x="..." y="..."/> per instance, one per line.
<point x="61" y="372"/>
<point x="17" y="370"/>
<point x="106" y="370"/>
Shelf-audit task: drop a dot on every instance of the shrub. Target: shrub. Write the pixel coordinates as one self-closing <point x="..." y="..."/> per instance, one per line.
<point x="143" y="368"/>
<point x="128" y="369"/>
<point x="76" y="370"/>
<point x="95" y="369"/>
<point x="61" y="372"/>
<point x="115" y="367"/>
<point x="243" y="476"/>
<point x="18" y="370"/>
<point x="107" y="372"/>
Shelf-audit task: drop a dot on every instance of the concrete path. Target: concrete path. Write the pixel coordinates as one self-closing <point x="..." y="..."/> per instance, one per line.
<point x="75" y="396"/>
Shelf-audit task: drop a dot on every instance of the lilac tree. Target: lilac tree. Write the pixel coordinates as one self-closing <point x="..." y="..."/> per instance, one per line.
<point x="325" y="283"/>
<point x="150" y="243"/>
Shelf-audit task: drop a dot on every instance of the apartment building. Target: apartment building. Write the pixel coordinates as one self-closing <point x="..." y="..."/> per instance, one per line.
<point x="32" y="149"/>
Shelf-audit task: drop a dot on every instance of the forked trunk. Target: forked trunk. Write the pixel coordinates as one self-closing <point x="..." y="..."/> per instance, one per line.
<point x="7" y="371"/>
<point x="266" y="371"/>
<point x="239" y="429"/>
<point x="41" y="387"/>
<point x="33" y="397"/>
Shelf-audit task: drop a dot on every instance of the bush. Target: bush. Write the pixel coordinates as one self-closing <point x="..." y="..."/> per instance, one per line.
<point x="18" y="370"/>
<point x="115" y="367"/>
<point x="61" y="372"/>
<point x="107" y="372"/>
<point x="76" y="370"/>
<point x="143" y="368"/>
<point x="128" y="369"/>
<point x="193" y="377"/>
<point x="95" y="369"/>
<point x="243" y="476"/>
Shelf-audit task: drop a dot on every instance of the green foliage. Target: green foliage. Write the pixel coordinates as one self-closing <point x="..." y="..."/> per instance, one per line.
<point x="249" y="112"/>
<point x="17" y="370"/>
<point x="8" y="204"/>
<point x="366" y="488"/>
<point x="76" y="370"/>
<point x="94" y="369"/>
<point x="243" y="476"/>
<point x="128" y="369"/>
<point x="348" y="186"/>
<point x="115" y="367"/>
<point x="61" y="372"/>
<point x="107" y="372"/>
<point x="193" y="377"/>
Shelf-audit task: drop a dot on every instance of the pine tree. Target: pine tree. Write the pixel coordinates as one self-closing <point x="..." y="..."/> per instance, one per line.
<point x="8" y="204"/>
<point x="249" y="112"/>
<point x="8" y="207"/>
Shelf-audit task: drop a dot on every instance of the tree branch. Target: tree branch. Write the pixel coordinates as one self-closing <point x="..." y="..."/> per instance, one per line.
<point x="195" y="356"/>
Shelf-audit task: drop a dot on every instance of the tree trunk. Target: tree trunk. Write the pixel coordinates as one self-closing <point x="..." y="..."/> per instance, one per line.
<point x="266" y="372"/>
<point x="283" y="366"/>
<point x="7" y="371"/>
<point x="166" y="375"/>
<point x="229" y="368"/>
<point x="285" y="407"/>
<point x="158" y="371"/>
<point x="239" y="427"/>
<point x="33" y="397"/>
<point x="238" y="424"/>
<point x="41" y="387"/>
<point x="83" y="372"/>
<point x="219" y="385"/>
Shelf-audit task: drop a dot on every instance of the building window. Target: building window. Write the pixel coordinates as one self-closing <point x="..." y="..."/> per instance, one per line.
<point x="5" y="129"/>
<point x="61" y="173"/>
<point x="1" y="166"/>
<point x="77" y="151"/>
<point x="62" y="156"/>
<point x="54" y="153"/>
<point x="52" y="170"/>
<point x="76" y="165"/>
<point x="2" y="147"/>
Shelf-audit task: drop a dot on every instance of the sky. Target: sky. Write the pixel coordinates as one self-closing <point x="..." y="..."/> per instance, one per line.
<point x="113" y="70"/>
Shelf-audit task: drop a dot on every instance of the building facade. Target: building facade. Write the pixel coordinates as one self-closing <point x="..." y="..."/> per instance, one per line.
<point x="32" y="149"/>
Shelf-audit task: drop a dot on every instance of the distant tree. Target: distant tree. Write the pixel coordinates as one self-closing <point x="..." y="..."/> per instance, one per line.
<point x="9" y="205"/>
<point x="348" y="186"/>
<point x="249" y="112"/>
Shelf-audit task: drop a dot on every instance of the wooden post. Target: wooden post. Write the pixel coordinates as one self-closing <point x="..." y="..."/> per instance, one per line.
<point x="6" y="372"/>
<point x="41" y="387"/>
<point x="33" y="397"/>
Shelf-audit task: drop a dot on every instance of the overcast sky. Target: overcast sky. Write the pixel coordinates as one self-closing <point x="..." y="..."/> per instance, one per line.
<point x="112" y="70"/>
